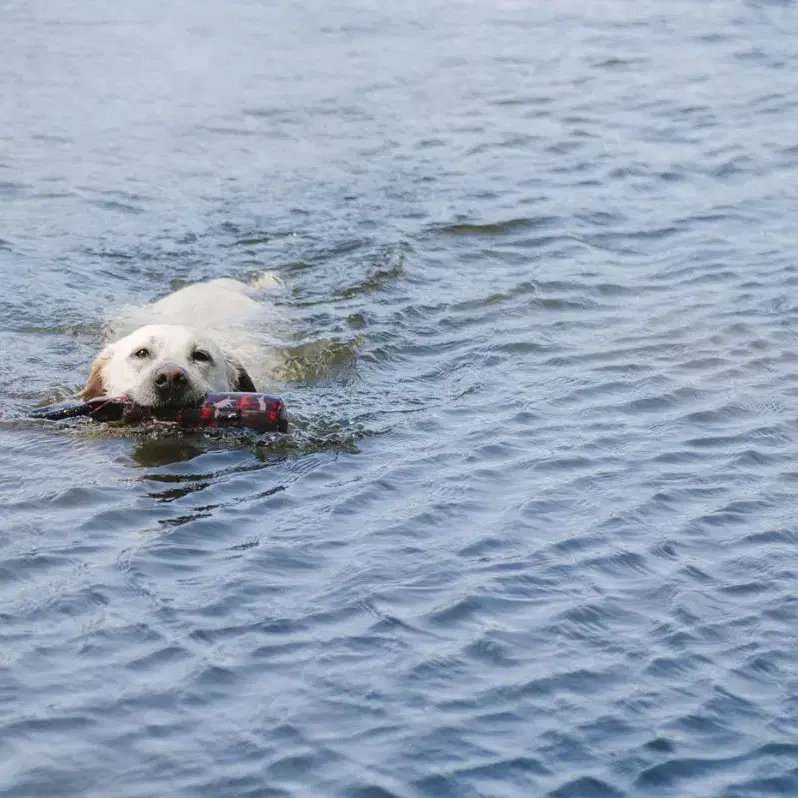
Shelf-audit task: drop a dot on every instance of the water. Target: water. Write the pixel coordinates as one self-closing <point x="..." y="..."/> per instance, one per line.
<point x="534" y="531"/>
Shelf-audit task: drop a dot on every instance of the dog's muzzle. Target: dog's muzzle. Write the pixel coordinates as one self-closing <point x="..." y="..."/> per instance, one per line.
<point x="172" y="385"/>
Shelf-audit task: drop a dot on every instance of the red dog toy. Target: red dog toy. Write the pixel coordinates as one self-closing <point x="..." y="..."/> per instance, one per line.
<point x="252" y="410"/>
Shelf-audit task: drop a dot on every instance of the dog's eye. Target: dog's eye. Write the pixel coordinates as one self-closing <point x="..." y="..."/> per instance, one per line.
<point x="142" y="353"/>
<point x="200" y="356"/>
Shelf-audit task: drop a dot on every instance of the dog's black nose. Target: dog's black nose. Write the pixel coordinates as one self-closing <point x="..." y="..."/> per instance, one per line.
<point x="170" y="378"/>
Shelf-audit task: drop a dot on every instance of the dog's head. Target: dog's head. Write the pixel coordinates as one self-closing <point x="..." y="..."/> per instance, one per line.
<point x="164" y="365"/>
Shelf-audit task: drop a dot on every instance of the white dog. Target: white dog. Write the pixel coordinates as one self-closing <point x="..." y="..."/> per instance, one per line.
<point x="201" y="338"/>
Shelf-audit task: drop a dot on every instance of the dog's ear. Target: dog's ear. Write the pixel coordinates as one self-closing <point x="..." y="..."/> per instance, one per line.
<point x="95" y="385"/>
<point x="240" y="379"/>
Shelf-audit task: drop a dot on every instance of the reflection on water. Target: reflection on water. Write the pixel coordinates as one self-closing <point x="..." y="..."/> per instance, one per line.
<point x="166" y="450"/>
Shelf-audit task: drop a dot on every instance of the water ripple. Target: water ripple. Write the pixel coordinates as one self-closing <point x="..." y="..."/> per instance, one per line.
<point x="532" y="530"/>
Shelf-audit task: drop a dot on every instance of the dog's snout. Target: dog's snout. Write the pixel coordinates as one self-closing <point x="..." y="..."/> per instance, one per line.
<point x="170" y="378"/>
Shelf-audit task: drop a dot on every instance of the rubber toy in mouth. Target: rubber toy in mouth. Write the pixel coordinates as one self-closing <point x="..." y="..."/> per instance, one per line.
<point x="255" y="411"/>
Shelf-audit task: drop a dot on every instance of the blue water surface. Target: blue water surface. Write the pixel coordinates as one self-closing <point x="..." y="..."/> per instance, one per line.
<point x="534" y="531"/>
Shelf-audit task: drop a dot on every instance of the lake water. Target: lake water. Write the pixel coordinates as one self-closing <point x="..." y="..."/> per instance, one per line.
<point x="534" y="531"/>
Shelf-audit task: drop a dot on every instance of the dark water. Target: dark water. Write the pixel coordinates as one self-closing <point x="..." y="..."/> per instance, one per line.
<point x="535" y="531"/>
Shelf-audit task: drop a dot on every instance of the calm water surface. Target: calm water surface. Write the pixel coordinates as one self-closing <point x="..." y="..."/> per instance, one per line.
<point x="534" y="533"/>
